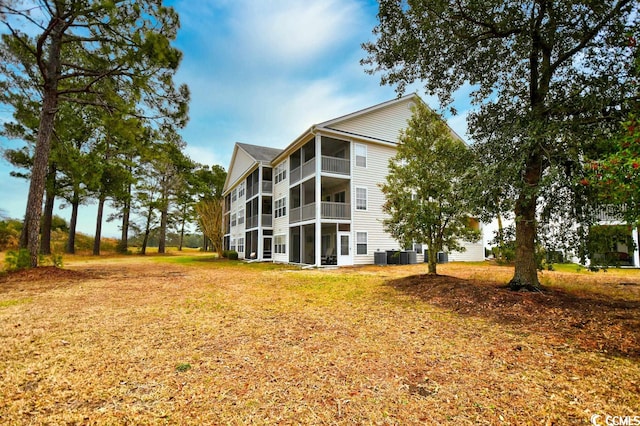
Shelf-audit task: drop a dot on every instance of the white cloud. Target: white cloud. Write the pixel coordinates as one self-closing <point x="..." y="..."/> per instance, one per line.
<point x="286" y="32"/>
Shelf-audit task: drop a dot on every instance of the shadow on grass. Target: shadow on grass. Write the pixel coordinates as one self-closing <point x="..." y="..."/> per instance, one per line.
<point x="593" y="322"/>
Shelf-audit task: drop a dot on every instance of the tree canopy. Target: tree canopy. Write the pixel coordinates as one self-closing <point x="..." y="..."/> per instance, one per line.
<point x="111" y="54"/>
<point x="426" y="191"/>
<point x="550" y="81"/>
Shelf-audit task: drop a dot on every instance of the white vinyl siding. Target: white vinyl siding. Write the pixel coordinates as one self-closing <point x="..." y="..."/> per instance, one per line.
<point x="474" y="253"/>
<point x="241" y="164"/>
<point x="371" y="219"/>
<point x="383" y="124"/>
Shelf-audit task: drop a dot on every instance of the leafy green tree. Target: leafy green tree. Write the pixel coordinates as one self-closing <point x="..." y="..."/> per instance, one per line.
<point x="76" y="45"/>
<point x="615" y="176"/>
<point x="426" y="188"/>
<point x="549" y="81"/>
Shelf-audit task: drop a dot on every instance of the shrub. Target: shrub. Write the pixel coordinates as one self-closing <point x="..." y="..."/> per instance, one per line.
<point x="17" y="259"/>
<point x="51" y="260"/>
<point x="232" y="255"/>
<point x="10" y="230"/>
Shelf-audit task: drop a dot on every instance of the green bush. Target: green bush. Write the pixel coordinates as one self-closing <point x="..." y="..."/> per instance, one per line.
<point x="10" y="230"/>
<point x="51" y="260"/>
<point x="17" y="259"/>
<point x="230" y="254"/>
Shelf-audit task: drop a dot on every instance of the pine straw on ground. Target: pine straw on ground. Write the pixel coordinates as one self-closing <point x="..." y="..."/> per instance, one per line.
<point x="147" y="341"/>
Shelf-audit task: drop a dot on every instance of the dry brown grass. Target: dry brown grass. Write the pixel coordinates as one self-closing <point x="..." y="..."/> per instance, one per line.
<point x="154" y="341"/>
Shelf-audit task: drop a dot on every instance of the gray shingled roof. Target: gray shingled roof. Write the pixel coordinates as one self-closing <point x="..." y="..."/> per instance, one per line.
<point x="260" y="153"/>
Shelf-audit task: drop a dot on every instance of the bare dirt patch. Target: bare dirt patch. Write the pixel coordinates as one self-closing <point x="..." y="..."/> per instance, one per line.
<point x="593" y="322"/>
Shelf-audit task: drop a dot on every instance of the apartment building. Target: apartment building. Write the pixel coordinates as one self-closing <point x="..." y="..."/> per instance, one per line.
<point x="318" y="201"/>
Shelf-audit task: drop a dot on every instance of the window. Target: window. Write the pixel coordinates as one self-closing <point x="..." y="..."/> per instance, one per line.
<point x="361" y="243"/>
<point x="280" y="244"/>
<point x="240" y="245"/>
<point x="361" y="198"/>
<point x="233" y="219"/>
<point x="232" y="245"/>
<point x="361" y="155"/>
<point x="234" y="194"/>
<point x="281" y="207"/>
<point x="241" y="190"/>
<point x="281" y="171"/>
<point x="240" y="217"/>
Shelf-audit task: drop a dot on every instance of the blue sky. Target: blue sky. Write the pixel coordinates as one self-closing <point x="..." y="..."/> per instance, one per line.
<point x="260" y="72"/>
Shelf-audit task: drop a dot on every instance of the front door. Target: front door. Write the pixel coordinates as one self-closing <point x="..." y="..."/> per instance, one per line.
<point x="344" y="249"/>
<point x="266" y="247"/>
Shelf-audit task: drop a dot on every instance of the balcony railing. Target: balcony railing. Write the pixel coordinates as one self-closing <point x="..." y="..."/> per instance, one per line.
<point x="301" y="172"/>
<point x="267" y="187"/>
<point x="252" y="222"/>
<point x="611" y="213"/>
<point x="335" y="165"/>
<point x="267" y="220"/>
<point x="335" y="210"/>
<point x="300" y="214"/>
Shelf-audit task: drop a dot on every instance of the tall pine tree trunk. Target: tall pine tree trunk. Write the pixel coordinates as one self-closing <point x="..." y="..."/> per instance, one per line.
<point x="123" y="244"/>
<point x="98" y="236"/>
<point x="47" y="215"/>
<point x="30" y="231"/>
<point x="147" y="231"/>
<point x="47" y="220"/>
<point x="50" y="69"/>
<point x="73" y="223"/>
<point x="181" y="234"/>
<point x="162" y="239"/>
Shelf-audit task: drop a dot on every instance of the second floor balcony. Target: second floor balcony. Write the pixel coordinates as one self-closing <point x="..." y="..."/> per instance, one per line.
<point x="331" y="211"/>
<point x="335" y="165"/>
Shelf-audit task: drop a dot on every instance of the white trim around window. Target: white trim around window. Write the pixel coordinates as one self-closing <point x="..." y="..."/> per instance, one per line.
<point x="361" y="243"/>
<point x="280" y="244"/>
<point x="360" y="152"/>
<point x="280" y="208"/>
<point x="361" y="198"/>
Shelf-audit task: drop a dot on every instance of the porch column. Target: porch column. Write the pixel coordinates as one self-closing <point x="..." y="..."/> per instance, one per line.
<point x="636" y="251"/>
<point x="318" y="239"/>
<point x="259" y="236"/>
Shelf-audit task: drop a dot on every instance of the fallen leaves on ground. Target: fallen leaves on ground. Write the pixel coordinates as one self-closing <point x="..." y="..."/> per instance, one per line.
<point x="149" y="341"/>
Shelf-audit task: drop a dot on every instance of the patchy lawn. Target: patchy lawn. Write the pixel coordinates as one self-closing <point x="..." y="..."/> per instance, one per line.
<point x="166" y="340"/>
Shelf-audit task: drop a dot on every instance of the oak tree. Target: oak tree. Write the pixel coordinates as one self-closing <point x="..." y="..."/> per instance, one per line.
<point x="548" y="79"/>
